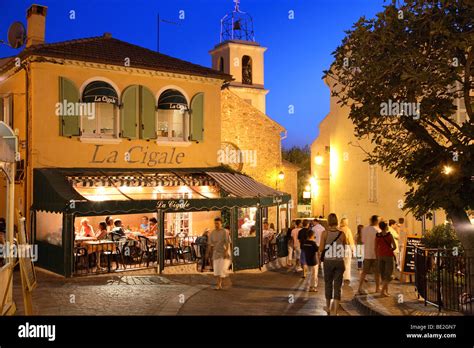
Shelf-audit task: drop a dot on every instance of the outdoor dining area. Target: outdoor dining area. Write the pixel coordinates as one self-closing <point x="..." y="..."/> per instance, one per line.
<point x="114" y="247"/>
<point x="133" y="250"/>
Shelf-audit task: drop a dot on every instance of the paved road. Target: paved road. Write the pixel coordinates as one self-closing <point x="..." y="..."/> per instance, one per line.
<point x="143" y="293"/>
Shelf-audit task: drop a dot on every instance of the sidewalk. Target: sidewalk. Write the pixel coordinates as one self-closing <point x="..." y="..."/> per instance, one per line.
<point x="403" y="301"/>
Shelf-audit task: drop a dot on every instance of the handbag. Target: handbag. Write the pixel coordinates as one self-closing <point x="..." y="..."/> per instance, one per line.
<point x="328" y="246"/>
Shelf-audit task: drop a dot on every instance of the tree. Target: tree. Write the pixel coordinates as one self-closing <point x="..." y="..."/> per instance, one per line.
<point x="402" y="74"/>
<point x="302" y="158"/>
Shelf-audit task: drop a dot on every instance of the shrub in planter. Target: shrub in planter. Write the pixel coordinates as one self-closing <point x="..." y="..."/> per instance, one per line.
<point x="441" y="237"/>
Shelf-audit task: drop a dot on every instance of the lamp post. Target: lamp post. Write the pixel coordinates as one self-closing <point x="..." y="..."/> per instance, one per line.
<point x="280" y="177"/>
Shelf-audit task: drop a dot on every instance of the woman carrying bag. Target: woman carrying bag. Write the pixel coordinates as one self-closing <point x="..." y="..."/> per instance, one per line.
<point x="333" y="241"/>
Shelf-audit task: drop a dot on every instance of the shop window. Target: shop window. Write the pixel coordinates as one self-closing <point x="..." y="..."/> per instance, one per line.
<point x="246" y="70"/>
<point x="137" y="117"/>
<point x="246" y="222"/>
<point x="6" y="109"/>
<point x="100" y="120"/>
<point x="179" y="224"/>
<point x="49" y="227"/>
<point x="173" y="115"/>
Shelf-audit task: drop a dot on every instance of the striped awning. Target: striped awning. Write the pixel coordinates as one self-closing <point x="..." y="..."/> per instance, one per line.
<point x="99" y="92"/>
<point x="172" y="99"/>
<point x="239" y="185"/>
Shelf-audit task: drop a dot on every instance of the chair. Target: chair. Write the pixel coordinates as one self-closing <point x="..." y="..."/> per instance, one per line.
<point x="147" y="249"/>
<point x="171" y="253"/>
<point x="81" y="257"/>
<point x="117" y="253"/>
<point x="183" y="252"/>
<point x="132" y="253"/>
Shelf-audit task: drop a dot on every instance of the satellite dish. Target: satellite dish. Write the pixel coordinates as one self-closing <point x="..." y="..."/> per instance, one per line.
<point x="16" y="35"/>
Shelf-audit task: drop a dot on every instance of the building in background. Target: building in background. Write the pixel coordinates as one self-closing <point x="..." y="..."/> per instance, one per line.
<point x="342" y="183"/>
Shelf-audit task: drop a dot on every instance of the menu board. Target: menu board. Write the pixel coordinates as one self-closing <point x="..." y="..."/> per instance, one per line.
<point x="408" y="260"/>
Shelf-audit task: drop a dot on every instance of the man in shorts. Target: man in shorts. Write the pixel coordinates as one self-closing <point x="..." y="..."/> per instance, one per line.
<point x="369" y="256"/>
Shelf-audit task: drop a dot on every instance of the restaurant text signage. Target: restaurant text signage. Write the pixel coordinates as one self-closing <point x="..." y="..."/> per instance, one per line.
<point x="173" y="205"/>
<point x="137" y="155"/>
<point x="408" y="257"/>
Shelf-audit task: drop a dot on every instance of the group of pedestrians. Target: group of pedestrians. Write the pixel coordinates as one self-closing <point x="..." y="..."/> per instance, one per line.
<point x="330" y="246"/>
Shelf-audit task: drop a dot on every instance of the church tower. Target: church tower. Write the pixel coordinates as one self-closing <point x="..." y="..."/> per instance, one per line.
<point x="239" y="55"/>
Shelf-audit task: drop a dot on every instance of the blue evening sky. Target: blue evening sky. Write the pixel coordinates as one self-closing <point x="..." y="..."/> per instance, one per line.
<point x="299" y="49"/>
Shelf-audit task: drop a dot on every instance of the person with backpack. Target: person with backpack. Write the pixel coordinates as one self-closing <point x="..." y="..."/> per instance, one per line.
<point x="384" y="247"/>
<point x="310" y="252"/>
<point x="333" y="243"/>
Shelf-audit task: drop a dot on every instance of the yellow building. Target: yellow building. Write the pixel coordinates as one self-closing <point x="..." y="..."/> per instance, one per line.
<point x="346" y="185"/>
<point x="110" y="128"/>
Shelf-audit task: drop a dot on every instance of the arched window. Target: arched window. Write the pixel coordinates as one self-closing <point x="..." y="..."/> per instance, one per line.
<point x="221" y="64"/>
<point x="102" y="107"/>
<point x="172" y="116"/>
<point x="246" y="70"/>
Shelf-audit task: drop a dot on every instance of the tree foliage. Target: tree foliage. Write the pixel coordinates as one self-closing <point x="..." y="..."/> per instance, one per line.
<point x="420" y="52"/>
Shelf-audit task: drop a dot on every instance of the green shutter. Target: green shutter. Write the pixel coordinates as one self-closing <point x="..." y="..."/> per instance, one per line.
<point x="1" y="109"/>
<point x="69" y="124"/>
<point x="128" y="115"/>
<point x="147" y="114"/>
<point x="197" y="117"/>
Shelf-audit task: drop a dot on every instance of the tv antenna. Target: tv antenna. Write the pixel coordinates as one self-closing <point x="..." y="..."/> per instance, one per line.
<point x="16" y="35"/>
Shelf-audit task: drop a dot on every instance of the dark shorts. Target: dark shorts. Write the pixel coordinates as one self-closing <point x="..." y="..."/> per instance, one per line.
<point x="302" y="258"/>
<point x="370" y="266"/>
<point x="385" y="264"/>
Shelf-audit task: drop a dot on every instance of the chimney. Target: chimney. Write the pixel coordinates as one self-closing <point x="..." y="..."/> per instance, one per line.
<point x="36" y="18"/>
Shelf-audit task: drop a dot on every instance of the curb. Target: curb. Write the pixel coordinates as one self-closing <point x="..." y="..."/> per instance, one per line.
<point x="362" y="303"/>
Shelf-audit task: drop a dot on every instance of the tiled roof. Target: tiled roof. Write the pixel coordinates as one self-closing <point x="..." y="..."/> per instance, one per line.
<point x="107" y="50"/>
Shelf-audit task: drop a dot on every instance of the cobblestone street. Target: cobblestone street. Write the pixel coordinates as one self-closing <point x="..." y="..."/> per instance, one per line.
<point x="276" y="292"/>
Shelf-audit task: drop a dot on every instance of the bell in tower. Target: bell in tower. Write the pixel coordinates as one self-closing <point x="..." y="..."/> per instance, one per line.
<point x="237" y="25"/>
<point x="239" y="55"/>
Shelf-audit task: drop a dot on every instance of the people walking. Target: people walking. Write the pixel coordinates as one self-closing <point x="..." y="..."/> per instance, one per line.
<point x="333" y="240"/>
<point x="309" y="249"/>
<point x="385" y="245"/>
<point x="289" y="241"/>
<point x="296" y="245"/>
<point x="318" y="230"/>
<point x="369" y="256"/>
<point x="358" y="241"/>
<point x="392" y="224"/>
<point x="350" y="247"/>
<point x="302" y="236"/>
<point x="220" y="243"/>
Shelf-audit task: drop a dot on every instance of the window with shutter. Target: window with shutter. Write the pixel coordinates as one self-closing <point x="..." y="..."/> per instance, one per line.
<point x="147" y="114"/>
<point x="129" y="113"/>
<point x="69" y="125"/>
<point x="197" y="117"/>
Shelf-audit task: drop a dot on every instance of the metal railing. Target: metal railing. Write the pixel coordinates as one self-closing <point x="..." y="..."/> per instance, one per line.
<point x="444" y="278"/>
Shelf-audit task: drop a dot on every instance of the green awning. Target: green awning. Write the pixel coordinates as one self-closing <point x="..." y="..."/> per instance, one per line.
<point x="54" y="191"/>
<point x="172" y="99"/>
<point x="99" y="92"/>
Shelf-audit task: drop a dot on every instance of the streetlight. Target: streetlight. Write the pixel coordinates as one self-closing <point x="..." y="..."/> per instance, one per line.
<point x="280" y="177"/>
<point x="318" y="159"/>
<point x="447" y="170"/>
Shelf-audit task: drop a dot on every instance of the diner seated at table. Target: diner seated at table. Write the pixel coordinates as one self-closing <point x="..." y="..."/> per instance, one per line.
<point x="152" y="229"/>
<point x="145" y="225"/>
<point x="102" y="232"/>
<point x="110" y="223"/>
<point x="86" y="229"/>
<point x="118" y="227"/>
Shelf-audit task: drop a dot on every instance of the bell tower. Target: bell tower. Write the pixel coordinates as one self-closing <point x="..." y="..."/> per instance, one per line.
<point x="239" y="55"/>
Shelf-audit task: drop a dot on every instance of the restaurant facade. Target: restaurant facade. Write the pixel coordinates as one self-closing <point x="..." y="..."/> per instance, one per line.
<point x="108" y="128"/>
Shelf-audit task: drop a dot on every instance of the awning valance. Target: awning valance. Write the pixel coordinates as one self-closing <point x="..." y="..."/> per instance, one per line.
<point x="55" y="190"/>
<point x="99" y="92"/>
<point x="172" y="99"/>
